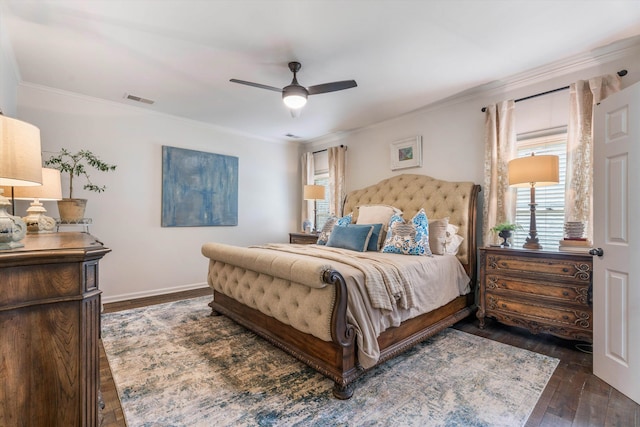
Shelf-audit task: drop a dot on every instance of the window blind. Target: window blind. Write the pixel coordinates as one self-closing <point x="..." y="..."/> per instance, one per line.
<point x="549" y="200"/>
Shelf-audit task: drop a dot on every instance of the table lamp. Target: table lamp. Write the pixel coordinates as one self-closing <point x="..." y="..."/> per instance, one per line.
<point x="51" y="189"/>
<point x="20" y="165"/>
<point x="313" y="192"/>
<point x="533" y="171"/>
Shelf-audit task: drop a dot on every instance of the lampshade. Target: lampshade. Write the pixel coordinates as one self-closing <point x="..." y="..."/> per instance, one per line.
<point x="51" y="189"/>
<point x="294" y="96"/>
<point x="20" y="156"/>
<point x="313" y="192"/>
<point x="539" y="170"/>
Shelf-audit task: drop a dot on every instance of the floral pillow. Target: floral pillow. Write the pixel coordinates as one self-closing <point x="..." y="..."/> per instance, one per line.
<point x="408" y="238"/>
<point x="323" y="238"/>
<point x="452" y="240"/>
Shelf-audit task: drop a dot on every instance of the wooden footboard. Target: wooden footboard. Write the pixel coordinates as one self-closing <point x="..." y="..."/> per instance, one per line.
<point x="337" y="359"/>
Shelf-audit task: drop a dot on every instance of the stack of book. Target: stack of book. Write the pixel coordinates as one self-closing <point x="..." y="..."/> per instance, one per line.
<point x="573" y="238"/>
<point x="575" y="245"/>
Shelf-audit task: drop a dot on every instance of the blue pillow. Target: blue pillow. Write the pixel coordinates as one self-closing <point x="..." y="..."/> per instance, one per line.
<point x="408" y="238"/>
<point x="374" y="241"/>
<point x="355" y="237"/>
<point x="323" y="238"/>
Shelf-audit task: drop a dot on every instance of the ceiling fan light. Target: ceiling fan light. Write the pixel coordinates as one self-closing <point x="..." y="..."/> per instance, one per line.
<point x="294" y="96"/>
<point x="295" y="101"/>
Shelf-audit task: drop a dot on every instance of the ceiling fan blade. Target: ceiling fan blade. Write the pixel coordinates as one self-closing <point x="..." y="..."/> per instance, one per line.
<point x="332" y="87"/>
<point x="258" y="85"/>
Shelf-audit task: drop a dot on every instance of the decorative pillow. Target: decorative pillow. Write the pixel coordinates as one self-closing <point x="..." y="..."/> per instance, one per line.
<point x="353" y="237"/>
<point x="323" y="238"/>
<point x="452" y="240"/>
<point x="376" y="214"/>
<point x="376" y="236"/>
<point x="437" y="235"/>
<point x="408" y="238"/>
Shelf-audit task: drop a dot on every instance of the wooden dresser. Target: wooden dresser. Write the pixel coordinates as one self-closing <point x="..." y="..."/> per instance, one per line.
<point x="49" y="331"/>
<point x="542" y="291"/>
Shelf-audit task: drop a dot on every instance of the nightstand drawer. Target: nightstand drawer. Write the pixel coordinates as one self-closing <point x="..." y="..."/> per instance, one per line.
<point x="542" y="313"/>
<point x="565" y="294"/>
<point x="303" y="238"/>
<point x="558" y="269"/>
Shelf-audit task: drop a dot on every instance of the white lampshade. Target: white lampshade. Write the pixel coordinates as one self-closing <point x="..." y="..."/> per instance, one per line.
<point x="51" y="188"/>
<point x="534" y="170"/>
<point x="20" y="155"/>
<point x="313" y="192"/>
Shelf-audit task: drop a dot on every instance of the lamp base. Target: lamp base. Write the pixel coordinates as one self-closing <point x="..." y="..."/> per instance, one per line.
<point x="12" y="228"/>
<point x="37" y="221"/>
<point x="532" y="245"/>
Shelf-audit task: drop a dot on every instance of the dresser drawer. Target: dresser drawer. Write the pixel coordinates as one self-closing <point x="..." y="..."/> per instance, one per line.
<point x="566" y="316"/>
<point x="557" y="269"/>
<point x="568" y="294"/>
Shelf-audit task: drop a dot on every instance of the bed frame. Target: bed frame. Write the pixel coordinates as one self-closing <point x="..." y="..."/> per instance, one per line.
<point x="337" y="359"/>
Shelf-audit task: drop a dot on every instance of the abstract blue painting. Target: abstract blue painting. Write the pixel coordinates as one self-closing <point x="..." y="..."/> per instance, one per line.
<point x="198" y="188"/>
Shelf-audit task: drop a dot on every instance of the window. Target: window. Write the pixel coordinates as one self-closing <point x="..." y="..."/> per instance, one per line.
<point x="322" y="206"/>
<point x="549" y="200"/>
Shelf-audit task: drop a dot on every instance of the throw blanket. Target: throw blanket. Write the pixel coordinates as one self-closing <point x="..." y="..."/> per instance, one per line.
<point x="385" y="283"/>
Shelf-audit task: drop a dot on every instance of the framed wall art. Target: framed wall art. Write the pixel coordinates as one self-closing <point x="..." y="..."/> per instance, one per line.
<point x="406" y="153"/>
<point x="198" y="188"/>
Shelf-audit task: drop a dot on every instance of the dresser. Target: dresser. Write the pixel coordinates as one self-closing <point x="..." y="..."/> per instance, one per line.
<point x="542" y="291"/>
<point x="49" y="331"/>
<point x="303" y="238"/>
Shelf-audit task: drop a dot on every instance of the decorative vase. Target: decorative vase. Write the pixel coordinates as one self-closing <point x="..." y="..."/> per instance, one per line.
<point x="506" y="237"/>
<point x="72" y="210"/>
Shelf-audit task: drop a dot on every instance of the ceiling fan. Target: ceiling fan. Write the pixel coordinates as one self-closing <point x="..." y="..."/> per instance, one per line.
<point x="295" y="95"/>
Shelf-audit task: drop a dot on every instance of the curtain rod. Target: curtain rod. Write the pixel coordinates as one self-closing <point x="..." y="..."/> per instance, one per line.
<point x="621" y="73"/>
<point x="322" y="151"/>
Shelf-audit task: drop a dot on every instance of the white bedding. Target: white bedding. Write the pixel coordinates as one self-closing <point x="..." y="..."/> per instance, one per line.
<point x="436" y="280"/>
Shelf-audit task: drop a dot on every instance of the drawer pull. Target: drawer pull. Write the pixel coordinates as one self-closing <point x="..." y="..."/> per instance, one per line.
<point x="565" y="317"/>
<point x="565" y="293"/>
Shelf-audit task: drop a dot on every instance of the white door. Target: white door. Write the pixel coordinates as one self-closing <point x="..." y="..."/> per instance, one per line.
<point x="616" y="274"/>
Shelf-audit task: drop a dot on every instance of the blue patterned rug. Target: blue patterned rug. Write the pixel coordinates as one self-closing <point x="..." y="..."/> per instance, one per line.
<point x="174" y="365"/>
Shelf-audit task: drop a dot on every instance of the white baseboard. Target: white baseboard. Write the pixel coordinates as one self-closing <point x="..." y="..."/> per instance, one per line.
<point x="163" y="291"/>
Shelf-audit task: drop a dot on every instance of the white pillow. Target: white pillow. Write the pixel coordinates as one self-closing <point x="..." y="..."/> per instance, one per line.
<point x="376" y="214"/>
<point x="438" y="235"/>
<point x="452" y="240"/>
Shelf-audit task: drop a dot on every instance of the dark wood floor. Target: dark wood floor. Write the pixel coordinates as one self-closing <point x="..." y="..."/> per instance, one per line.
<point x="573" y="396"/>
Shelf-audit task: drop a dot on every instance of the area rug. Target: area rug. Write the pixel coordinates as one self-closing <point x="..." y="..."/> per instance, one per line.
<point x="175" y="365"/>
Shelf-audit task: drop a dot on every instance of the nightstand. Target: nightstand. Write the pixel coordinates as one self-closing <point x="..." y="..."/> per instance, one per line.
<point x="542" y="291"/>
<point x="303" y="238"/>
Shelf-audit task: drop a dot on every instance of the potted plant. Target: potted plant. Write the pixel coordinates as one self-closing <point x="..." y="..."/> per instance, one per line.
<point x="505" y="230"/>
<point x="77" y="165"/>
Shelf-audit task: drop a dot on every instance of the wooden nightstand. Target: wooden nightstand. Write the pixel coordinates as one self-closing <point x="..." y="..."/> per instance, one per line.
<point x="542" y="291"/>
<point x="303" y="238"/>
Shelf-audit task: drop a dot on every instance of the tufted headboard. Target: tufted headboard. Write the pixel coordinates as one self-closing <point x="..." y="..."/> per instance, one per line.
<point x="440" y="199"/>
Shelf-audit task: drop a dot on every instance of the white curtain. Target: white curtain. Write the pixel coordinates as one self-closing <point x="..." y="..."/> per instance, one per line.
<point x="500" y="147"/>
<point x="583" y="95"/>
<point x="308" y="172"/>
<point x="337" y="186"/>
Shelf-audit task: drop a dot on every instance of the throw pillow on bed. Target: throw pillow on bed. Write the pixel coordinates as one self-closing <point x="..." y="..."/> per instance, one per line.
<point x="376" y="236"/>
<point x="438" y="235"/>
<point x="408" y="238"/>
<point x="353" y="237"/>
<point x="323" y="238"/>
<point x="452" y="240"/>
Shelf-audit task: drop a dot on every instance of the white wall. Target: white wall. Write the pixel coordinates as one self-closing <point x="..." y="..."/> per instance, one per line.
<point x="8" y="74"/>
<point x="453" y="131"/>
<point x="147" y="259"/>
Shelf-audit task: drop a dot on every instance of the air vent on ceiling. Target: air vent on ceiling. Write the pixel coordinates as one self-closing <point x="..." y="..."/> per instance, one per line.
<point x="290" y="135"/>
<point x="138" y="99"/>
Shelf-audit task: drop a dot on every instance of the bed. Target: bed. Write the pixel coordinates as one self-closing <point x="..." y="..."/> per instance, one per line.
<point x="319" y="303"/>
